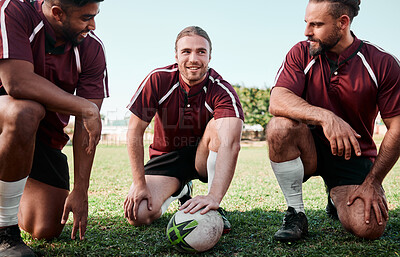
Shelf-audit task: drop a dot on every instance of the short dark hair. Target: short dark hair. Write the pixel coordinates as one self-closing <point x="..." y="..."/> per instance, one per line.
<point x="342" y="7"/>
<point x="67" y="4"/>
<point x="193" y="30"/>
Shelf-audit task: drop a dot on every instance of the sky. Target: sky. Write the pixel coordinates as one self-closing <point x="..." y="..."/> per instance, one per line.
<point x="249" y="38"/>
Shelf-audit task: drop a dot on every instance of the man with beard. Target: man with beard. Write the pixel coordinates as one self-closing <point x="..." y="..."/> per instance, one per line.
<point x="197" y="130"/>
<point x="47" y="52"/>
<point x="325" y="101"/>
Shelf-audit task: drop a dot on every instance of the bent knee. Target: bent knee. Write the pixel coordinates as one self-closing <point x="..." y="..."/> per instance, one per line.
<point x="280" y="128"/>
<point x="356" y="225"/>
<point x="144" y="218"/>
<point x="22" y="118"/>
<point x="141" y="221"/>
<point x="46" y="232"/>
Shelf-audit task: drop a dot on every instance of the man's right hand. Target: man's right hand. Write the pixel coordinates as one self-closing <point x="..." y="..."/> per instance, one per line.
<point x="137" y="193"/>
<point x="342" y="137"/>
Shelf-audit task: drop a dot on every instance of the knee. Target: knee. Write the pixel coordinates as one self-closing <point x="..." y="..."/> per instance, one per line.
<point x="23" y="118"/>
<point x="139" y="222"/>
<point x="144" y="218"/>
<point x="367" y="231"/>
<point x="45" y="231"/>
<point x="281" y="130"/>
<point x="355" y="224"/>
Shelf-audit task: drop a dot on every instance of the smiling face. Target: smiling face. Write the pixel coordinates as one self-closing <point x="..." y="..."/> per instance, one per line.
<point x="192" y="55"/>
<point x="322" y="30"/>
<point x="78" y="22"/>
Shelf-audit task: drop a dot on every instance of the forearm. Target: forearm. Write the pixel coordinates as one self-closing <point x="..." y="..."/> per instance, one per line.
<point x="83" y="160"/>
<point x="135" y="147"/>
<point x="388" y="155"/>
<point x="136" y="158"/>
<point x="21" y="82"/>
<point x="229" y="133"/>
<point x="55" y="99"/>
<point x="285" y="103"/>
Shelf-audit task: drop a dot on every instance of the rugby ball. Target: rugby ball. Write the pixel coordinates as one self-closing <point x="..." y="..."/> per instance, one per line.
<point x="191" y="233"/>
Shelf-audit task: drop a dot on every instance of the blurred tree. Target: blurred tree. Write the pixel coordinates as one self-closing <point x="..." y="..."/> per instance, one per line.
<point x="255" y="103"/>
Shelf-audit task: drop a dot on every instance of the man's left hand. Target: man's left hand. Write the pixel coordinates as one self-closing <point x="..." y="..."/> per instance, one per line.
<point x="373" y="196"/>
<point x="77" y="202"/>
<point x="204" y="202"/>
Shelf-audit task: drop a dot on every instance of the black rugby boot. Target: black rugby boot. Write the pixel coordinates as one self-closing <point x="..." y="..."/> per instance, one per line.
<point x="294" y="227"/>
<point x="331" y="209"/>
<point x="188" y="195"/>
<point x="227" y="224"/>
<point x="11" y="243"/>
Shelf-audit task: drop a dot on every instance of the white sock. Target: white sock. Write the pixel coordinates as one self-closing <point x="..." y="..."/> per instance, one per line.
<point x="290" y="178"/>
<point x="170" y="199"/>
<point x="211" y="161"/>
<point x="10" y="195"/>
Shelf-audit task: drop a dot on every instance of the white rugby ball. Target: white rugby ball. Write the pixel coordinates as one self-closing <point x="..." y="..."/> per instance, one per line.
<point x="195" y="232"/>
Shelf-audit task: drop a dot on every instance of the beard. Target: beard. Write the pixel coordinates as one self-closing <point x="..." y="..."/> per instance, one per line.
<point x="325" y="45"/>
<point x="70" y="35"/>
<point x="193" y="78"/>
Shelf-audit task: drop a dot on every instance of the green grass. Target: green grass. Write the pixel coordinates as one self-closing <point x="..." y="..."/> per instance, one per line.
<point x="255" y="207"/>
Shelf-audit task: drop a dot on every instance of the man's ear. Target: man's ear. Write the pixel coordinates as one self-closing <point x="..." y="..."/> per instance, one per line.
<point x="344" y="22"/>
<point x="57" y="13"/>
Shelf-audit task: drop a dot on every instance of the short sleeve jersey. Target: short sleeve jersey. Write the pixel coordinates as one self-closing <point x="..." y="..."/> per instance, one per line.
<point x="182" y="112"/>
<point x="27" y="35"/>
<point x="355" y="85"/>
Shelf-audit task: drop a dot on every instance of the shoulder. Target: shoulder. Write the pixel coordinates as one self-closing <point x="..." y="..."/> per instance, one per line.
<point x="299" y="54"/>
<point x="16" y="7"/>
<point x="377" y="54"/>
<point x="167" y="71"/>
<point x="20" y="11"/>
<point x="301" y="48"/>
<point x="216" y="80"/>
<point x="164" y="75"/>
<point x="218" y="85"/>
<point x="92" y="46"/>
<point x="160" y="79"/>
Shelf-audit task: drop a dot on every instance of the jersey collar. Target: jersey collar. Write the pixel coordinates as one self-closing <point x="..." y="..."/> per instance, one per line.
<point x="193" y="89"/>
<point x="348" y="53"/>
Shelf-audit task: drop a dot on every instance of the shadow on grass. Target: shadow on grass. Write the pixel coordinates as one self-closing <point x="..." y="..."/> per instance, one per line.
<point x="251" y="236"/>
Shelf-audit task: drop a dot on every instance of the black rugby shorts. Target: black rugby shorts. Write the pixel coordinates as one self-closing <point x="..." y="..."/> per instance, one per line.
<point x="335" y="170"/>
<point x="50" y="166"/>
<point x="179" y="164"/>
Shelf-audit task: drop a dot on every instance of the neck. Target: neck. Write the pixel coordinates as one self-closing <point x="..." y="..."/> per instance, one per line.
<point x="343" y="43"/>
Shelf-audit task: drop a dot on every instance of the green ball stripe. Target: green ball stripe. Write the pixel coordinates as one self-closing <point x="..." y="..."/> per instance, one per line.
<point x="176" y="234"/>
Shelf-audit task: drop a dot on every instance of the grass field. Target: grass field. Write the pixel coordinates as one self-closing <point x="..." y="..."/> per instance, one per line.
<point x="255" y="207"/>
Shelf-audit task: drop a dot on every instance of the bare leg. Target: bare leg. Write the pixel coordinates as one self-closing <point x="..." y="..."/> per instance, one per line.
<point x="292" y="154"/>
<point x="19" y="120"/>
<point x="161" y="188"/>
<point x="289" y="139"/>
<point x="352" y="217"/>
<point x="41" y="209"/>
<point x="209" y="142"/>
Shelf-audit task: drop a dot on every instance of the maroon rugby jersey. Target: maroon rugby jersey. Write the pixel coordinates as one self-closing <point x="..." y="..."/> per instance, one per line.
<point x="27" y="35"/>
<point x="182" y="112"/>
<point x="367" y="80"/>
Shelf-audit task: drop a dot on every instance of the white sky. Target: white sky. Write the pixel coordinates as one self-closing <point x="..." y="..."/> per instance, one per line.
<point x="250" y="38"/>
